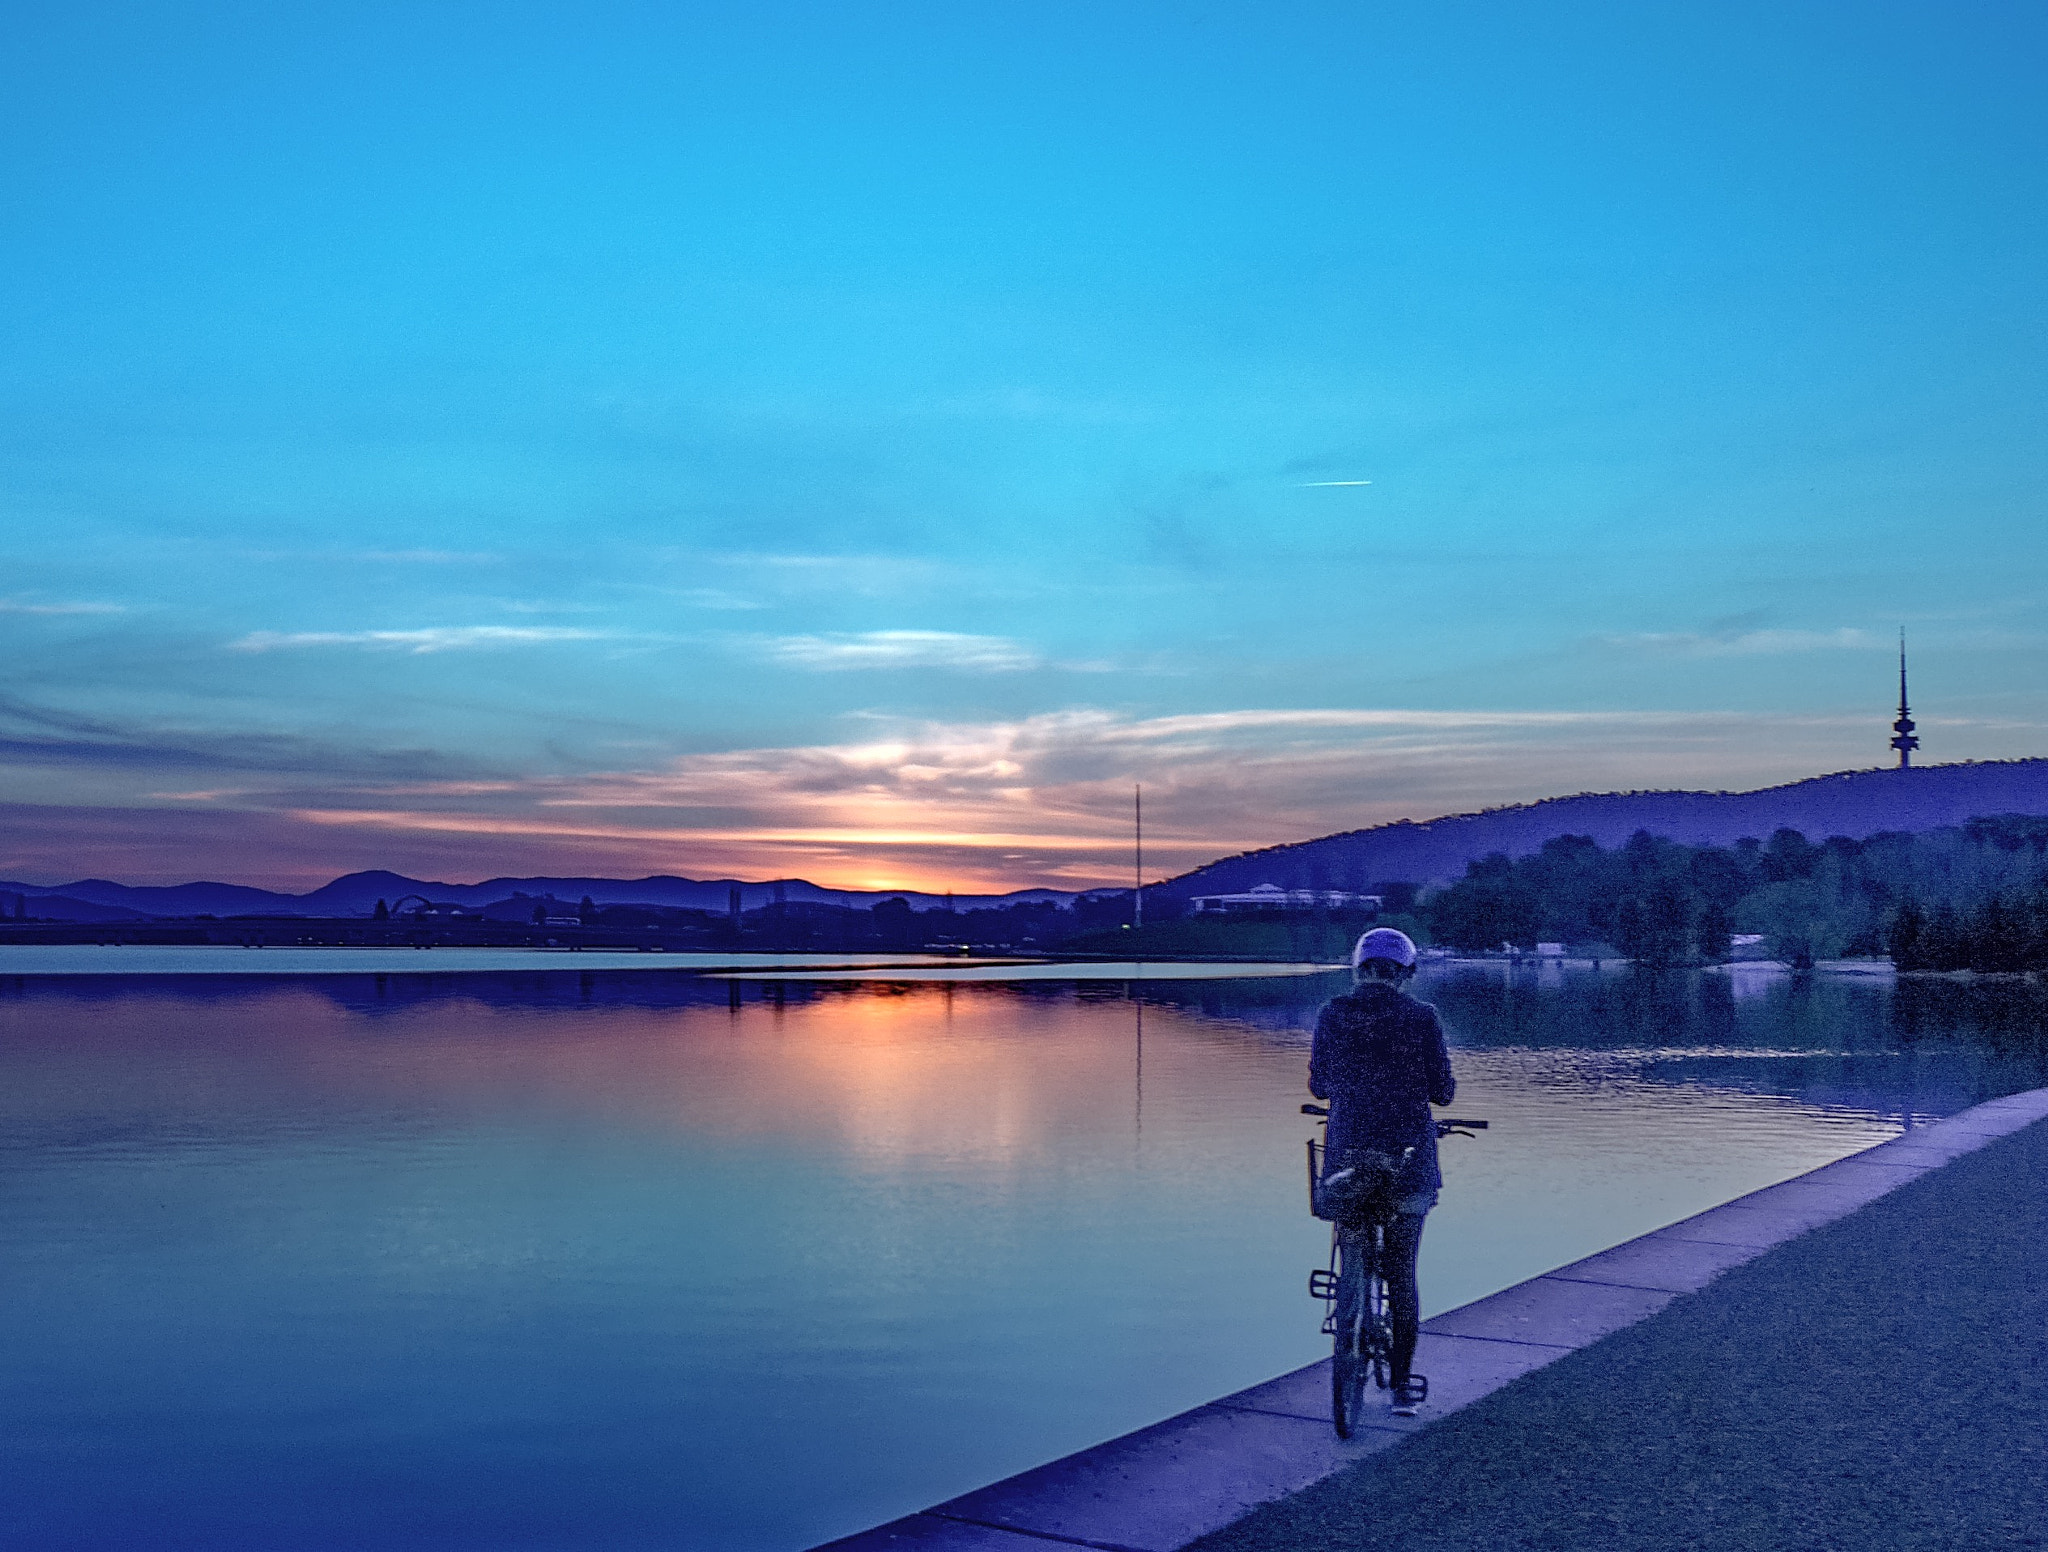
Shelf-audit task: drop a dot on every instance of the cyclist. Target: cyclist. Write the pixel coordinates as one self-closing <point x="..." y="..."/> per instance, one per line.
<point x="1379" y="1059"/>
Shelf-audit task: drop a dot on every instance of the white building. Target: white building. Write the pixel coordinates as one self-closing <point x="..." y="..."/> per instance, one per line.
<point x="1271" y="897"/>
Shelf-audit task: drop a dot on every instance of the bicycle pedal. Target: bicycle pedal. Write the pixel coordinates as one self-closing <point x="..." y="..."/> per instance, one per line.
<point x="1330" y="1324"/>
<point x="1322" y="1283"/>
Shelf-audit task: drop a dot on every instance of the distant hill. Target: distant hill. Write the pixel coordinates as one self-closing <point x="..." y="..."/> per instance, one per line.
<point x="40" y="905"/>
<point x="1852" y="803"/>
<point x="357" y="894"/>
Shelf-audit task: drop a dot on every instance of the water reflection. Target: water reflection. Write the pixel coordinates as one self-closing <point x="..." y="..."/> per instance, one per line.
<point x="619" y="1259"/>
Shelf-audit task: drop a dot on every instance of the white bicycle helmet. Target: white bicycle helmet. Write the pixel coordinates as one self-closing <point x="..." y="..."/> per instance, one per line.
<point x="1384" y="943"/>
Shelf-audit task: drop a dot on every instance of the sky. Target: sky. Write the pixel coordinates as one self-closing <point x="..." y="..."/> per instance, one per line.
<point x="863" y="442"/>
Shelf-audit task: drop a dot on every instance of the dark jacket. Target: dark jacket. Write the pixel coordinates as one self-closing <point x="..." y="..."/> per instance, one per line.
<point x="1379" y="1059"/>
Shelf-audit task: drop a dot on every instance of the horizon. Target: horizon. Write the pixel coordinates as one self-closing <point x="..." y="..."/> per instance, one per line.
<point x="500" y="875"/>
<point x="760" y="441"/>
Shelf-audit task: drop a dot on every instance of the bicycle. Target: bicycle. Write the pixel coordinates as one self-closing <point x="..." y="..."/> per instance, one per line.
<point x="1358" y="1201"/>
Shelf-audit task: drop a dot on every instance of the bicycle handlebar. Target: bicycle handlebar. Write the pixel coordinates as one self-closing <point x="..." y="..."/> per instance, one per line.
<point x="1446" y="1126"/>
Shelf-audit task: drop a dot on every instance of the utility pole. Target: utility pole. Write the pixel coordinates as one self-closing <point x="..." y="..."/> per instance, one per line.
<point x="1138" y="861"/>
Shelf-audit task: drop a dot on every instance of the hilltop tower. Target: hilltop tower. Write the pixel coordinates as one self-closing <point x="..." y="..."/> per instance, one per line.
<point x="1902" y="730"/>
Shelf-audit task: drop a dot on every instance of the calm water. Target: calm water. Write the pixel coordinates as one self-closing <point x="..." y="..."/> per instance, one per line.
<point x="626" y="1260"/>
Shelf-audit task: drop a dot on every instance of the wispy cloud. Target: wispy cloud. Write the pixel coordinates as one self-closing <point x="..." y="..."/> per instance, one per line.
<point x="433" y="638"/>
<point x="410" y="557"/>
<point x="905" y="649"/>
<point x="86" y="749"/>
<point x="1329" y="484"/>
<point x="712" y="598"/>
<point x="1745" y="643"/>
<point x="795" y="572"/>
<point x="24" y="606"/>
<point x="425" y="557"/>
<point x="975" y="804"/>
<point x="546" y="606"/>
<point x="1045" y="799"/>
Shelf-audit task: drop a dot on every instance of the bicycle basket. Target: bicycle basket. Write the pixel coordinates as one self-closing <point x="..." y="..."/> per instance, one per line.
<point x="1362" y="1186"/>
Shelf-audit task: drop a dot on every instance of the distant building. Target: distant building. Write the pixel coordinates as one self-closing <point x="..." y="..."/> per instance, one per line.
<point x="1271" y="897"/>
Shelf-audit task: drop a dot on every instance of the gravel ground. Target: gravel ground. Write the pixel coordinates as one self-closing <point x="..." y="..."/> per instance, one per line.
<point x="1879" y="1383"/>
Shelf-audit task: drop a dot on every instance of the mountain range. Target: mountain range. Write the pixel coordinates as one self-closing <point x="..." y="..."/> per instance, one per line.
<point x="1851" y="803"/>
<point x="357" y="894"/>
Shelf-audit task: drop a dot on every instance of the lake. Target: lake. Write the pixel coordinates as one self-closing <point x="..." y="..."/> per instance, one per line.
<point x="626" y="1258"/>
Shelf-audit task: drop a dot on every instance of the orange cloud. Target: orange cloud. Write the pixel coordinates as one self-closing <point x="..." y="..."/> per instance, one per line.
<point x="1047" y="799"/>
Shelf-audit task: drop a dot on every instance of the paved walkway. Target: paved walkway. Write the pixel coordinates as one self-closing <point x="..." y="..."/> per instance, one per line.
<point x="1881" y="1383"/>
<point x="1808" y="1366"/>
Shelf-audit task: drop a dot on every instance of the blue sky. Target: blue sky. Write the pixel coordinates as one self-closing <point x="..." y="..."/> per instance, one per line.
<point x="860" y="442"/>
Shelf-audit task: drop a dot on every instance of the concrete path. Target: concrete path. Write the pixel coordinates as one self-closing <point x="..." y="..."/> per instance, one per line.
<point x="1165" y="1486"/>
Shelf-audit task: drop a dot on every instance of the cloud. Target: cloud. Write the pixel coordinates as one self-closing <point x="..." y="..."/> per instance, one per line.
<point x="419" y="557"/>
<point x="545" y="606"/>
<point x="899" y="803"/>
<point x="801" y="574"/>
<point x="1046" y="799"/>
<point x="433" y="638"/>
<point x="83" y="747"/>
<point x="904" y="649"/>
<point x="21" y="606"/>
<point x="1745" y="642"/>
<point x="713" y="598"/>
<point x="425" y="557"/>
<point x="1329" y="484"/>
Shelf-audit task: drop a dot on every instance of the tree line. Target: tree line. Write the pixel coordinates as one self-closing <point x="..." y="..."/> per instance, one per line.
<point x="1971" y="896"/>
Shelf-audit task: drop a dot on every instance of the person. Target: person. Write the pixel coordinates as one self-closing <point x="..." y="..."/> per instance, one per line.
<point x="1379" y="1060"/>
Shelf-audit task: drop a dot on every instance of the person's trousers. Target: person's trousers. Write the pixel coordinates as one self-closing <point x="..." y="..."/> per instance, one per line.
<point x="1400" y="1244"/>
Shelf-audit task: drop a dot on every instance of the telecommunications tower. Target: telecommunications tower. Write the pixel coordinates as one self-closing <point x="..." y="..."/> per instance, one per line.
<point x="1902" y="730"/>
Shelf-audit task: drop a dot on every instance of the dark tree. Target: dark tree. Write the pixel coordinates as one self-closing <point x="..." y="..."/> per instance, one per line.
<point x="1396" y="895"/>
<point x="895" y="922"/>
<point x="1905" y="937"/>
<point x="382" y="913"/>
<point x="1485" y="909"/>
<point x="1789" y="855"/>
<point x="1713" y="932"/>
<point x="1666" y="924"/>
<point x="1998" y="941"/>
<point x="1943" y="946"/>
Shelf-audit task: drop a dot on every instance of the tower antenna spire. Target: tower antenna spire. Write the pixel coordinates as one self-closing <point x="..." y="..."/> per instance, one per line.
<point x="1902" y="730"/>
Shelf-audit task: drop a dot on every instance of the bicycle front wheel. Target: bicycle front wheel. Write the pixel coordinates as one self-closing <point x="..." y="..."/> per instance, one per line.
<point x="1346" y="1392"/>
<point x="1351" y="1364"/>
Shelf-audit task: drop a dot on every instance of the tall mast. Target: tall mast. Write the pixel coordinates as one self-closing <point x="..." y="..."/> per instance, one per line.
<point x="1902" y="730"/>
<point x="1138" y="855"/>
